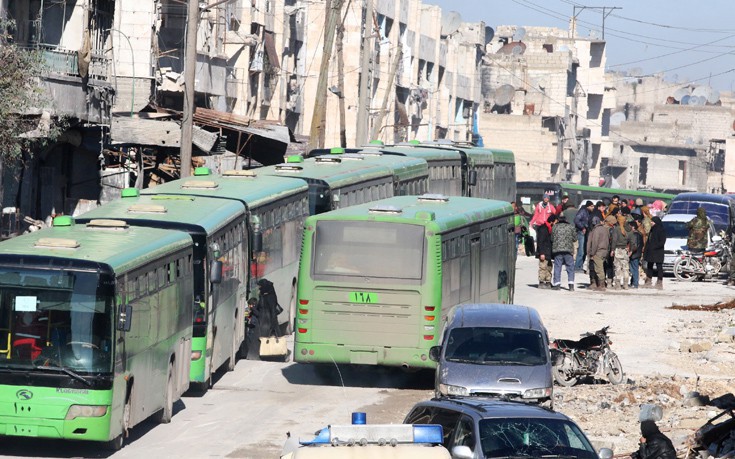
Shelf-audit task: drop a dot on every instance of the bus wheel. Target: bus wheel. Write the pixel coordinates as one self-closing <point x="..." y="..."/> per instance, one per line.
<point x="164" y="416"/>
<point x="115" y="444"/>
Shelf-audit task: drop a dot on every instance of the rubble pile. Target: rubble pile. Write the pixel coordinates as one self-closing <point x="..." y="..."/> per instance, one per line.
<point x="609" y="414"/>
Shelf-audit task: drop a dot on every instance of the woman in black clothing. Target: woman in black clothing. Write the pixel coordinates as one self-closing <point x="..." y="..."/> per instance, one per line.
<point x="654" y="253"/>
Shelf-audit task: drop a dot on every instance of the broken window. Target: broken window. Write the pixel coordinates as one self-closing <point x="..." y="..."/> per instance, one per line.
<point x="642" y="171"/>
<point x="533" y="437"/>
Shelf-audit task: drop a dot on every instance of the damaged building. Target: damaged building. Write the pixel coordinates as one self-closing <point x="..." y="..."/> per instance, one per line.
<point x="673" y="137"/>
<point x="544" y="97"/>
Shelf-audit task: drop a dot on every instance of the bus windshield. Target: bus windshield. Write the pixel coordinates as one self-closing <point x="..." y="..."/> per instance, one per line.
<point x="55" y="319"/>
<point x="369" y="249"/>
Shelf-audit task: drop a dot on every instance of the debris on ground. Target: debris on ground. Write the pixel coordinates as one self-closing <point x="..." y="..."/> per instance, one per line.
<point x="719" y="306"/>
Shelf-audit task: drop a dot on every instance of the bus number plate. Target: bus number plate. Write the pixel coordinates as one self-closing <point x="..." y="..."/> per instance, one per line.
<point x="363" y="297"/>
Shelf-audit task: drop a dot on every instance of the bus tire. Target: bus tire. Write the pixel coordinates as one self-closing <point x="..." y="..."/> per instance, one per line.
<point x="116" y="443"/>
<point x="166" y="413"/>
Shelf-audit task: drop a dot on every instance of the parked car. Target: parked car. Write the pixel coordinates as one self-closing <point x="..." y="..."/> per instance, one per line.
<point x="499" y="350"/>
<point x="476" y="428"/>
<point x="676" y="237"/>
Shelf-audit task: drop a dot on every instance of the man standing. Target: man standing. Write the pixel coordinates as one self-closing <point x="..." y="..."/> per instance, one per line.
<point x="562" y="245"/>
<point x="560" y="208"/>
<point x="698" y="228"/>
<point x="581" y="222"/>
<point x="653" y="253"/>
<point x="598" y="247"/>
<point x="635" y="252"/>
<point x="543" y="252"/>
<point x="542" y="211"/>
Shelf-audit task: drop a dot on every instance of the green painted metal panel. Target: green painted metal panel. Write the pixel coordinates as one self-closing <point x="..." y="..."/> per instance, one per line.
<point x="101" y="245"/>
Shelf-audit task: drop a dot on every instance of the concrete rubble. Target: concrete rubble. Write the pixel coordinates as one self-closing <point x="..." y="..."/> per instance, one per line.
<point x="610" y="414"/>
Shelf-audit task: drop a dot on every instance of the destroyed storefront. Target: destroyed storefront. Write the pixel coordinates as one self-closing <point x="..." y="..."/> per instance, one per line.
<point x="144" y="148"/>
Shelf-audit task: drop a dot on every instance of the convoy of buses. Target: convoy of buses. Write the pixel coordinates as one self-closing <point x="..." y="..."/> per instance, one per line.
<point x="108" y="318"/>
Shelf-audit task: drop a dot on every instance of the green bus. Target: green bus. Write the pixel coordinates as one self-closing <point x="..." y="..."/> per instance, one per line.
<point x="335" y="183"/>
<point x="454" y="169"/>
<point x="218" y="231"/>
<point x="275" y="211"/>
<point x="530" y="193"/>
<point x="95" y="329"/>
<point x="376" y="279"/>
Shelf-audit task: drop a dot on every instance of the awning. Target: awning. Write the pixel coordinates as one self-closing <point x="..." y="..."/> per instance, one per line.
<point x="270" y="49"/>
<point x="264" y="141"/>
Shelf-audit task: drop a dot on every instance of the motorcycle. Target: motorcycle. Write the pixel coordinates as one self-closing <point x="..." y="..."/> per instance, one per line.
<point x="590" y="356"/>
<point x="706" y="265"/>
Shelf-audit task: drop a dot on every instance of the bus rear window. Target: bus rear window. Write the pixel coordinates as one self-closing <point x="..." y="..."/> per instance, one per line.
<point x="369" y="249"/>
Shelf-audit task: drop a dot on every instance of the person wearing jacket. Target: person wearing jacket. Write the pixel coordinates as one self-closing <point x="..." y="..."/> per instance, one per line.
<point x="654" y="444"/>
<point x="542" y="211"/>
<point x="619" y="251"/>
<point x="563" y="237"/>
<point x="598" y="248"/>
<point x="543" y="252"/>
<point x="581" y="223"/>
<point x="635" y="250"/>
<point x="698" y="228"/>
<point x="654" y="253"/>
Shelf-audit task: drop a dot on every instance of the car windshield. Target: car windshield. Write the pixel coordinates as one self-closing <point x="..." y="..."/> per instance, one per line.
<point x="495" y="346"/>
<point x="533" y="437"/>
<point x="676" y="230"/>
<point x="55" y="320"/>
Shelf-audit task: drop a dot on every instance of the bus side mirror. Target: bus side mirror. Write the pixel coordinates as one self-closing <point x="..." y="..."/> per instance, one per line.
<point x="472" y="177"/>
<point x="124" y="317"/>
<point x="435" y="353"/>
<point x="257" y="241"/>
<point x="215" y="272"/>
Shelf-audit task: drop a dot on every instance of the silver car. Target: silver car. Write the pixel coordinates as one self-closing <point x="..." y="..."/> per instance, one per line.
<point x="494" y="350"/>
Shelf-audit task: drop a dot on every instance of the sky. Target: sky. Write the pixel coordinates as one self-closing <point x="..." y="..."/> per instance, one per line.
<point x="689" y="41"/>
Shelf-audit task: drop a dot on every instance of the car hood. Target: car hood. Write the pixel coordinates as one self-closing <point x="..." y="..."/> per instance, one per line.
<point x="674" y="244"/>
<point x="495" y="379"/>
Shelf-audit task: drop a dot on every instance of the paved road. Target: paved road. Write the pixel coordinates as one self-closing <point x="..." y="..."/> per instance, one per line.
<point x="249" y="411"/>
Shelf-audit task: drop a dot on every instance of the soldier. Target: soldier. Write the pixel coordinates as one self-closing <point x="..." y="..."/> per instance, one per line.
<point x="698" y="228"/>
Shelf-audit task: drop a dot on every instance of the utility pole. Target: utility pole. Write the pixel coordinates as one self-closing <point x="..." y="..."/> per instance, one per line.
<point x="605" y="14"/>
<point x="318" y="119"/>
<point x="190" y="63"/>
<point x="341" y="84"/>
<point x="381" y="114"/>
<point x="362" y="106"/>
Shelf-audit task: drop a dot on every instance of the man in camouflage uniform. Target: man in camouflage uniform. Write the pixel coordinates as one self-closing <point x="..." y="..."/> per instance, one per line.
<point x="698" y="228"/>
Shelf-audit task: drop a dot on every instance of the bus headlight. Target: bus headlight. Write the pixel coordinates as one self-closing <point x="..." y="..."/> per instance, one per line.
<point x="543" y="392"/>
<point x="85" y="411"/>
<point x="196" y="355"/>
<point x="448" y="389"/>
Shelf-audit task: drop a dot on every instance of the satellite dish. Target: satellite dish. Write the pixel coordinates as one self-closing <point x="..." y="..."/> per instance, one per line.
<point x="519" y="34"/>
<point x="685" y="100"/>
<point x="697" y="100"/>
<point x="515" y="48"/>
<point x="504" y="94"/>
<point x="450" y="22"/>
<point x="489" y="34"/>
<point x="680" y="93"/>
<point x="714" y="96"/>
<point x="617" y="118"/>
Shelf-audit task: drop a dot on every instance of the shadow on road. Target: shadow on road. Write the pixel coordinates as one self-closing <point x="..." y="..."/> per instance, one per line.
<point x="358" y="376"/>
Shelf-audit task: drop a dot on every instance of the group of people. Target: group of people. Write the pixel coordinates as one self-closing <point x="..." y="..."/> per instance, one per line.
<point x="614" y="239"/>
